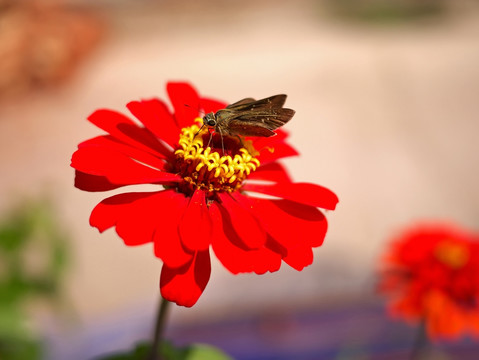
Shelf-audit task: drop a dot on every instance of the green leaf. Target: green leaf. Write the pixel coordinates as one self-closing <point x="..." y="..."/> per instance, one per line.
<point x="169" y="352"/>
<point x="205" y="352"/>
<point x="33" y="256"/>
<point x="12" y="322"/>
<point x="21" y="349"/>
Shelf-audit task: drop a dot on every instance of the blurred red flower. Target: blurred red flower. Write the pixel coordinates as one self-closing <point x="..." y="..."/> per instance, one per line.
<point x="432" y="273"/>
<point x="206" y="198"/>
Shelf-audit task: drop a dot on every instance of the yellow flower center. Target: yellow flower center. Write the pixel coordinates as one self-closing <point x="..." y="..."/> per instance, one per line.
<point x="452" y="254"/>
<point x="220" y="166"/>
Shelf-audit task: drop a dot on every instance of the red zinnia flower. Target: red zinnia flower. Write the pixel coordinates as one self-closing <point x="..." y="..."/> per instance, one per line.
<point x="205" y="200"/>
<point x="433" y="274"/>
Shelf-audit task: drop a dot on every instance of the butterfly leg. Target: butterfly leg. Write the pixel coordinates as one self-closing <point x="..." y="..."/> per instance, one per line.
<point x="241" y="141"/>
<point x="222" y="143"/>
<point x="209" y="141"/>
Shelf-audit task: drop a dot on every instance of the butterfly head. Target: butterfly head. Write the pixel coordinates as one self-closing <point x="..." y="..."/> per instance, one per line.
<point x="209" y="120"/>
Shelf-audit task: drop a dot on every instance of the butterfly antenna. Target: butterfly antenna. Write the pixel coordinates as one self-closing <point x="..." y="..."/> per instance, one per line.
<point x="197" y="109"/>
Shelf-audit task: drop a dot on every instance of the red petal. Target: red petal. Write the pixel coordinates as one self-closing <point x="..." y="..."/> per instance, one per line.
<point x="246" y="226"/>
<point x="125" y="130"/>
<point x="231" y="252"/>
<point x="144" y="217"/>
<point x="168" y="246"/>
<point x="209" y="105"/>
<point x="185" y="101"/>
<point x="273" y="148"/>
<point x="281" y="136"/>
<point x="185" y="285"/>
<point x="274" y="172"/>
<point x="299" y="257"/>
<point x="294" y="227"/>
<point x="89" y="182"/>
<point x="131" y="213"/>
<point x="117" y="168"/>
<point x="290" y="223"/>
<point x="195" y="226"/>
<point x="274" y="152"/>
<point x="108" y="142"/>
<point x="304" y="193"/>
<point x="156" y="117"/>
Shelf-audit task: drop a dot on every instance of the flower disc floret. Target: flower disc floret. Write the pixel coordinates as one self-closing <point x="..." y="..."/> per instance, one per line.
<point x="453" y="255"/>
<point x="203" y="168"/>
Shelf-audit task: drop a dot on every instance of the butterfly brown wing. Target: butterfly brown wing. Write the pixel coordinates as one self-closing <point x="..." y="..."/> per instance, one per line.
<point x="248" y="104"/>
<point x="241" y="102"/>
<point x="260" y="122"/>
<point x="238" y="127"/>
<point x="249" y="117"/>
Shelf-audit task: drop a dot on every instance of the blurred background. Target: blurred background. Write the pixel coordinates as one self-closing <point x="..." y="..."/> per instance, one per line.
<point x="386" y="100"/>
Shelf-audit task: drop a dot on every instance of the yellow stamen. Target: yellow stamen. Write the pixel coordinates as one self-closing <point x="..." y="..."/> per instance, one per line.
<point x="204" y="168"/>
<point x="452" y="254"/>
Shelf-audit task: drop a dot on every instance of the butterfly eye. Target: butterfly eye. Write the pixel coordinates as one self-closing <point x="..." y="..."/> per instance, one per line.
<point x="211" y="122"/>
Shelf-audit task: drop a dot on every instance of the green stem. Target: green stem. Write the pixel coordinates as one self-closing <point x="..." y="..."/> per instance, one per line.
<point x="159" y="329"/>
<point x="421" y="346"/>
